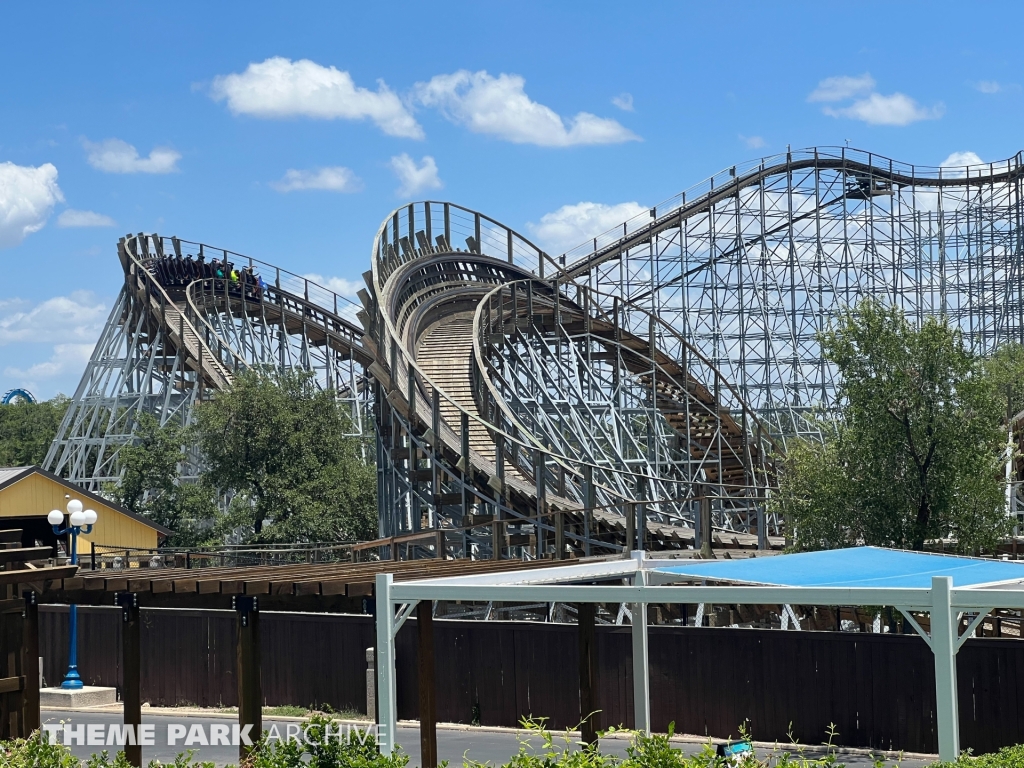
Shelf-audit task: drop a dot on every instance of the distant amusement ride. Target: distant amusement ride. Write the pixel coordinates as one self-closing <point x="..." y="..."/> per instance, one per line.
<point x="638" y="389"/>
<point x="17" y="395"/>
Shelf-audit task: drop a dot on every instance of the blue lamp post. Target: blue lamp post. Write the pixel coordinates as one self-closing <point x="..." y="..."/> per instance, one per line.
<point x="80" y="522"/>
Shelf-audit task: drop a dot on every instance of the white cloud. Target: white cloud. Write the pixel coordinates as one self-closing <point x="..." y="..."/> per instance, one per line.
<point x="988" y="86"/>
<point x="624" y="101"/>
<point x="415" y="178"/>
<point x="78" y="317"/>
<point x="117" y="156"/>
<point x="754" y="142"/>
<point x="73" y="218"/>
<point x="956" y="166"/>
<point x="570" y="225"/>
<point x="334" y="178"/>
<point x="842" y="87"/>
<point x="960" y="159"/>
<point x="498" y="106"/>
<point x="279" y="87"/>
<point x="66" y="359"/>
<point x="339" y="285"/>
<point x="896" y="109"/>
<point x="27" y="196"/>
<point x="872" y="108"/>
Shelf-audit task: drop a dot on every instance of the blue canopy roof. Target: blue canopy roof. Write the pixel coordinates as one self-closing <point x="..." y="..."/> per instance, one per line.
<point x="854" y="567"/>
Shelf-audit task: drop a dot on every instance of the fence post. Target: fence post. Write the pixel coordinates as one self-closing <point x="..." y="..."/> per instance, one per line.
<point x="131" y="671"/>
<point x="589" y="716"/>
<point x="371" y="684"/>
<point x="248" y="670"/>
<point x="428" y="695"/>
<point x="31" y="664"/>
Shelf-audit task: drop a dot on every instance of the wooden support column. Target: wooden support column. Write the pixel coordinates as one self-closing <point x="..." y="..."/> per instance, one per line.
<point x="248" y="670"/>
<point x="428" y="693"/>
<point x="131" y="671"/>
<point x="630" y="514"/>
<point x="706" y="534"/>
<point x="30" y="716"/>
<point x="589" y="716"/>
<point x="498" y="539"/>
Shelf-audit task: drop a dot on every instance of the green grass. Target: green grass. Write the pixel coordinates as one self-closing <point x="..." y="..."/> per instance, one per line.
<point x="291" y="710"/>
<point x="288" y="710"/>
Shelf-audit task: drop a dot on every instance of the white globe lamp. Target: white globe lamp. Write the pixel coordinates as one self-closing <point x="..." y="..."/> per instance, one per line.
<point x="56" y="517"/>
<point x="78" y="518"/>
<point x="74" y="506"/>
<point x="90" y="516"/>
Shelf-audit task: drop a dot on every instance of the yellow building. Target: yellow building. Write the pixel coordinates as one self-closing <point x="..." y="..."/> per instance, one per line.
<point x="27" y="494"/>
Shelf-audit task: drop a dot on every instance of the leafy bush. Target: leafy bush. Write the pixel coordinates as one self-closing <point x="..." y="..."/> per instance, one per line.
<point x="644" y="751"/>
<point x="350" y="751"/>
<point x="38" y="752"/>
<point x="1008" y="757"/>
<point x="360" y="750"/>
<point x="35" y="752"/>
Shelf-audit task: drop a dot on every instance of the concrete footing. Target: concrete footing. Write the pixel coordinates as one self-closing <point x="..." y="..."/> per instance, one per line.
<point x="89" y="696"/>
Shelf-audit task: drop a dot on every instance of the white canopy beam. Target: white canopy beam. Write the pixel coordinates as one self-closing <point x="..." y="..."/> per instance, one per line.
<point x="982" y="615"/>
<point x="944" y="649"/>
<point x="387" y="696"/>
<point x="574" y="593"/>
<point x="641" y="663"/>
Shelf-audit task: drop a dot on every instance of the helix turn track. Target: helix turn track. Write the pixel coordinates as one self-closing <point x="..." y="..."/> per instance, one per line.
<point x="641" y="386"/>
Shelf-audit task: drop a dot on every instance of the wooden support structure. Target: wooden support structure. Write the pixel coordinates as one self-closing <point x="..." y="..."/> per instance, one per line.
<point x="706" y="534"/>
<point x="30" y="717"/>
<point x="20" y="584"/>
<point x="589" y="715"/>
<point x="131" y="671"/>
<point x="559" y="535"/>
<point x="427" y="689"/>
<point x="248" y="671"/>
<point x="332" y="587"/>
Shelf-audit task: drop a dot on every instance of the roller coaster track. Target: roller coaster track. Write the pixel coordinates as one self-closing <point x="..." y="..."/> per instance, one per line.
<point x="635" y="390"/>
<point x="165" y="348"/>
<point x="469" y="437"/>
<point x="869" y="179"/>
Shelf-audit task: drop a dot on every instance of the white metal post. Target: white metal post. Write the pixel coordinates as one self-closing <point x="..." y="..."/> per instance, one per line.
<point x="944" y="642"/>
<point x="641" y="666"/>
<point x="386" y="690"/>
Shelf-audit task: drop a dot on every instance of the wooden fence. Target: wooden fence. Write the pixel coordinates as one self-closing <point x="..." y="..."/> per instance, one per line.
<point x="878" y="690"/>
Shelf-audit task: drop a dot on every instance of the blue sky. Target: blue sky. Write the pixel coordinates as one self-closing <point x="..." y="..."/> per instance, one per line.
<point x="289" y="131"/>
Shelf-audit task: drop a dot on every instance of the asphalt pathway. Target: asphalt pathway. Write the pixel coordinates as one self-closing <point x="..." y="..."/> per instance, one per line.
<point x="493" y="747"/>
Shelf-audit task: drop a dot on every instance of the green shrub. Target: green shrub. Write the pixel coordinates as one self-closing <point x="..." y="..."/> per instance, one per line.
<point x="352" y="751"/>
<point x="539" y="748"/>
<point x="1008" y="757"/>
<point x="36" y="752"/>
<point x="644" y="751"/>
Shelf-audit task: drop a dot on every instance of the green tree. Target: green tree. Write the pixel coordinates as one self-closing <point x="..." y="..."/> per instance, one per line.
<point x="27" y="429"/>
<point x="277" y="442"/>
<point x="1005" y="370"/>
<point x="918" y="449"/>
<point x="150" y="484"/>
<point x="815" y="496"/>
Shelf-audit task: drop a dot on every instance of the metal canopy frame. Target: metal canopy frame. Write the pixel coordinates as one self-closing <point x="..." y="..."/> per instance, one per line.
<point x="643" y="583"/>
